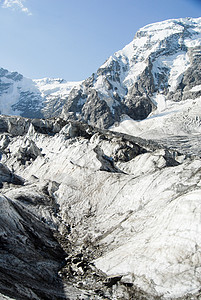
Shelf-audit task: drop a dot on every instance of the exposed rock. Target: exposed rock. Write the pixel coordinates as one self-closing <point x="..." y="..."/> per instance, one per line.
<point x="8" y="176"/>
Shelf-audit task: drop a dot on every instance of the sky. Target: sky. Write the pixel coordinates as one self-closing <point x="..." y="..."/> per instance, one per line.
<point x="71" y="39"/>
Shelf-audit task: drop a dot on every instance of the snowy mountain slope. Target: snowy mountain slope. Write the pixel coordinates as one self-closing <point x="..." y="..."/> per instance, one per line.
<point x="55" y="94"/>
<point x="125" y="210"/>
<point x="32" y="98"/>
<point x="160" y="66"/>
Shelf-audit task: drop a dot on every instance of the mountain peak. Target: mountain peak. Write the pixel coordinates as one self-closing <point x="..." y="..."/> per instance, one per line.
<point x="40" y="98"/>
<point x="157" y="69"/>
<point x="132" y="81"/>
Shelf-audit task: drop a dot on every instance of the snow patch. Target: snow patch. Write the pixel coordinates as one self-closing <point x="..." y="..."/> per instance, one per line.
<point x="160" y="101"/>
<point x="175" y="65"/>
<point x="196" y="88"/>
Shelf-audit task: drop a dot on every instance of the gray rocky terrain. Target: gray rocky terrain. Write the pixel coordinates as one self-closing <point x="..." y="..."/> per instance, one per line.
<point x="72" y="195"/>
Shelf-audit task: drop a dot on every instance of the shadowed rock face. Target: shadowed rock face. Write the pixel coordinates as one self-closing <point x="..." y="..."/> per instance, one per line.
<point x="86" y="205"/>
<point x="30" y="257"/>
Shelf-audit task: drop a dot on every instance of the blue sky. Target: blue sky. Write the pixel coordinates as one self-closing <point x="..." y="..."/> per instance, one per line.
<point x="70" y="39"/>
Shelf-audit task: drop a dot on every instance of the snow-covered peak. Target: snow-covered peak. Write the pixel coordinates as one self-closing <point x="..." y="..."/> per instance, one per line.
<point x="10" y="75"/>
<point x="162" y="36"/>
<point x="160" y="66"/>
<point x="47" y="80"/>
<point x="32" y="98"/>
<point x="55" y="86"/>
<point x="148" y="35"/>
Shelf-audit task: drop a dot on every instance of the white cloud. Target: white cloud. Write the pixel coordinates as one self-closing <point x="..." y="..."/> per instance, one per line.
<point x="16" y="4"/>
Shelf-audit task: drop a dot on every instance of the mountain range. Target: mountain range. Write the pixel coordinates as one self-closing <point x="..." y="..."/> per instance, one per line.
<point x="159" y="68"/>
<point x="101" y="179"/>
<point x="40" y="98"/>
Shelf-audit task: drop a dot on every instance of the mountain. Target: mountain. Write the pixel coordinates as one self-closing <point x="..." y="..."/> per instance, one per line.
<point x="158" y="69"/>
<point x="92" y="213"/>
<point x="32" y="98"/>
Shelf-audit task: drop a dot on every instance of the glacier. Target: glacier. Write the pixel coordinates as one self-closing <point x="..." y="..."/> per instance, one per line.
<point x="129" y="206"/>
